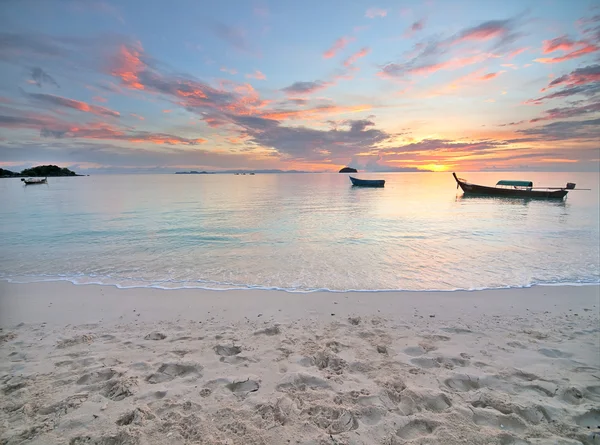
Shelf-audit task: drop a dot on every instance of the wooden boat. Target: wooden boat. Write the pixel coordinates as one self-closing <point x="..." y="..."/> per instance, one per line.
<point x="367" y="182"/>
<point x="514" y="189"/>
<point x="31" y="181"/>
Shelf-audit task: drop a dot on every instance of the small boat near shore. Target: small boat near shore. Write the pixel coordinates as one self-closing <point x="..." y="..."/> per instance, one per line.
<point x="515" y="189"/>
<point x="367" y="182"/>
<point x="33" y="181"/>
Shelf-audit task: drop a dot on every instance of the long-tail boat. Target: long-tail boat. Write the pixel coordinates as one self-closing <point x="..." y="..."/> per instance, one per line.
<point x="514" y="189"/>
<point x="367" y="182"/>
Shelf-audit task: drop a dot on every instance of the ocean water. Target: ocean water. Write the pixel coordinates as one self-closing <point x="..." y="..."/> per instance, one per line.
<point x="298" y="232"/>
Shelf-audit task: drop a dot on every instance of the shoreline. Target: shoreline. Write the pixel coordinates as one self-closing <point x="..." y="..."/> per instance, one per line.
<point x="102" y="365"/>
<point x="55" y="300"/>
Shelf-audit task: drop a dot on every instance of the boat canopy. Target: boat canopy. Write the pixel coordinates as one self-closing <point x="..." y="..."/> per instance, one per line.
<point x="515" y="183"/>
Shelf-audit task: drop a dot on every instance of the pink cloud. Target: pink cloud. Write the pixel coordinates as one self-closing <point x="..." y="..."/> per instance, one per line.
<point x="357" y="55"/>
<point x="137" y="116"/>
<point x="572" y="48"/>
<point x="99" y="99"/>
<point x="337" y="46"/>
<point x="375" y="12"/>
<point x="256" y="75"/>
<point x="167" y="111"/>
<point x="516" y="52"/>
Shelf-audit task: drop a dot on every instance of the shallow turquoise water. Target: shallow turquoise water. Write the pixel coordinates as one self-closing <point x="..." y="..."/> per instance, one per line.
<point x="297" y="232"/>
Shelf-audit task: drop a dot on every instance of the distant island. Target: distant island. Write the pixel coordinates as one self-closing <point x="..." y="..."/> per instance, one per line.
<point x="40" y="171"/>
<point x="194" y="172"/>
<point x="348" y="170"/>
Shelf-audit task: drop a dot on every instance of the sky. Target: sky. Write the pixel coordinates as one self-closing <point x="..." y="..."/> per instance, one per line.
<point x="434" y="85"/>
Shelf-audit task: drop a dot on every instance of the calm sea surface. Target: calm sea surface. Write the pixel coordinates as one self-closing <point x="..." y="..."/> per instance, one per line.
<point x="297" y="232"/>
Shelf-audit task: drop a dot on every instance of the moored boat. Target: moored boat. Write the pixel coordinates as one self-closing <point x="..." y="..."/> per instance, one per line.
<point x="367" y="182"/>
<point x="31" y="181"/>
<point x="514" y="189"/>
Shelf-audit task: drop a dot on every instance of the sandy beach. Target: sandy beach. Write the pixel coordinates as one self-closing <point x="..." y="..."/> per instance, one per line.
<point x="100" y="365"/>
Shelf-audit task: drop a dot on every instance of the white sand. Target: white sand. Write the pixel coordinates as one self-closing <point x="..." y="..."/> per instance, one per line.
<point x="99" y="365"/>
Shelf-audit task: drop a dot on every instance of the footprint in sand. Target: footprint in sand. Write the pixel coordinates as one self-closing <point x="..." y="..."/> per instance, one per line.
<point x="462" y="383"/>
<point x="416" y="428"/>
<point x="414" y="351"/>
<point x="169" y="371"/>
<point x="554" y="353"/>
<point x="490" y="418"/>
<point x="590" y="419"/>
<point x="243" y="387"/>
<point x="97" y="377"/>
<point x="227" y="351"/>
<point x="333" y="420"/>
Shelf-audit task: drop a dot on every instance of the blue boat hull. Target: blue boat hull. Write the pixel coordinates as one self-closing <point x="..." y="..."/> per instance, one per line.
<point x="367" y="182"/>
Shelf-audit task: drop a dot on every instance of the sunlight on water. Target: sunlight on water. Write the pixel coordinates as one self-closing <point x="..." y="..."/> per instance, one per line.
<point x="297" y="232"/>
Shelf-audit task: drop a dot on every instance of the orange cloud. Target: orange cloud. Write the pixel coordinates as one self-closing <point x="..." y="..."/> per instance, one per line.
<point x="256" y="75"/>
<point x="167" y="111"/>
<point x="128" y="66"/>
<point x="137" y="116"/>
<point x="338" y="45"/>
<point x="72" y="103"/>
<point x="357" y="55"/>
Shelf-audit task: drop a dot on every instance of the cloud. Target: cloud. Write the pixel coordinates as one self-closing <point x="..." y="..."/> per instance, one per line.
<point x="236" y="37"/>
<point x="256" y="75"/>
<point x="502" y="31"/>
<point x="568" y="112"/>
<point x="572" y="48"/>
<point x="337" y="46"/>
<point x="127" y="65"/>
<point x="566" y="130"/>
<point x="375" y="12"/>
<point x="52" y="127"/>
<point x="314" y="113"/>
<point x="587" y="90"/>
<point x="305" y="87"/>
<point x="357" y="55"/>
<point x="39" y="76"/>
<point x="110" y="133"/>
<point x="448" y="54"/>
<point x="490" y="76"/>
<point x="14" y="45"/>
<point x="71" y="103"/>
<point x="580" y="76"/>
<point x="100" y="99"/>
<point x="395" y="70"/>
<point x="414" y="28"/>
<point x="302" y="143"/>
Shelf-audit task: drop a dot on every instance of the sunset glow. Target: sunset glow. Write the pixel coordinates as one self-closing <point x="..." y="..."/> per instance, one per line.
<point x="429" y="86"/>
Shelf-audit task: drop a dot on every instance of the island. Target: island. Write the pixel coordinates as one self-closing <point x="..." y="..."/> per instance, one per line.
<point x="348" y="170"/>
<point x="194" y="172"/>
<point x="40" y="171"/>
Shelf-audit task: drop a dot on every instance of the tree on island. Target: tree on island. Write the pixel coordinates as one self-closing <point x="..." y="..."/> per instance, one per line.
<point x="348" y="170"/>
<point x="40" y="170"/>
